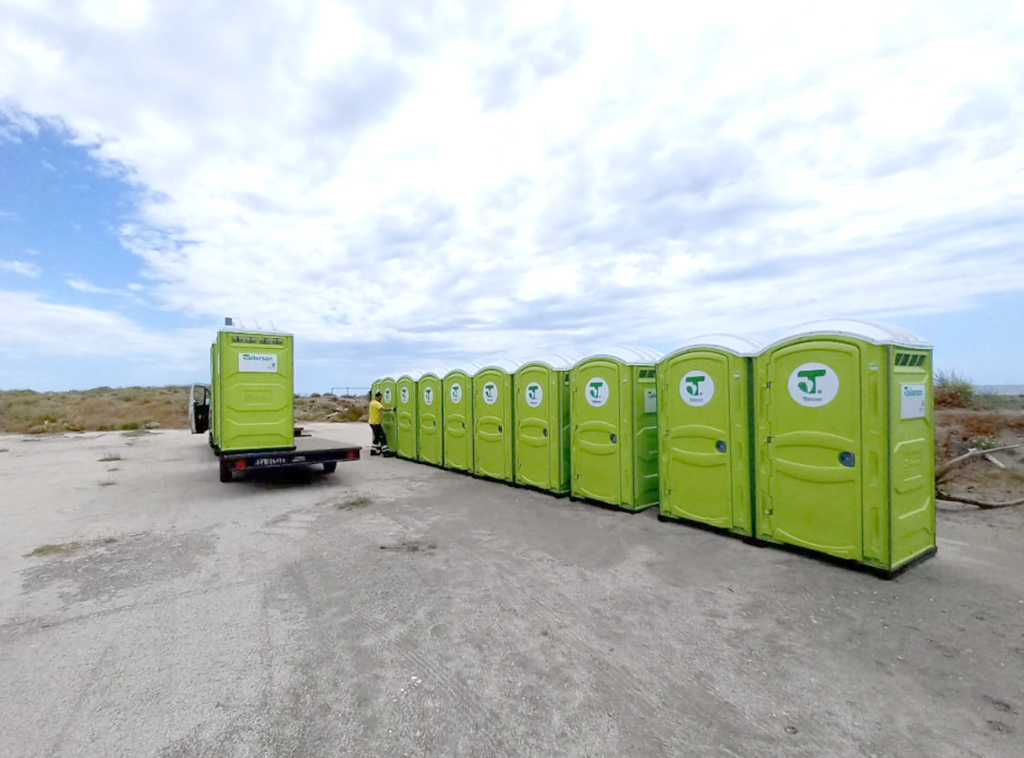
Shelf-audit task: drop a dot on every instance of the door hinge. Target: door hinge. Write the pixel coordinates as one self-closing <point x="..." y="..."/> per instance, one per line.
<point x="768" y="441"/>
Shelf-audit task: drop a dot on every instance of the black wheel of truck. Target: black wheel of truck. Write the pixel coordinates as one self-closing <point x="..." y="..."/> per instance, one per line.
<point x="330" y="467"/>
<point x="225" y="471"/>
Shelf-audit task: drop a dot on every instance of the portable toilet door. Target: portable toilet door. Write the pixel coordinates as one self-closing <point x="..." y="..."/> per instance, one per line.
<point x="457" y="394"/>
<point x="492" y="421"/>
<point x="706" y="436"/>
<point x="614" y="413"/>
<point x="847" y="443"/>
<point x="431" y="418"/>
<point x="541" y="444"/>
<point x="386" y="387"/>
<point x="406" y="406"/>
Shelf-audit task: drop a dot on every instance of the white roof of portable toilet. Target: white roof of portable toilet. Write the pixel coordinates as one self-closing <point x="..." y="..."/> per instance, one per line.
<point x="631" y="356"/>
<point x="466" y="368"/>
<point x="738" y="344"/>
<point x="413" y="374"/>
<point x="436" y="371"/>
<point x="556" y="361"/>
<point x="875" y="332"/>
<point x="503" y="364"/>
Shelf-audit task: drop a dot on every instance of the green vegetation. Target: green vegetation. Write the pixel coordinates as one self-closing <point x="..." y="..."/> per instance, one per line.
<point x="58" y="549"/>
<point x="354" y="500"/>
<point x="953" y="390"/>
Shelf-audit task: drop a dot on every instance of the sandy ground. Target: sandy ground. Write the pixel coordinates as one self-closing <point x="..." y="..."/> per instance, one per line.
<point x="393" y="609"/>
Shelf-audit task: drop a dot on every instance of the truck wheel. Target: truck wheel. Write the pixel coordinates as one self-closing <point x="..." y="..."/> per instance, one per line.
<point x="330" y="467"/>
<point x="225" y="472"/>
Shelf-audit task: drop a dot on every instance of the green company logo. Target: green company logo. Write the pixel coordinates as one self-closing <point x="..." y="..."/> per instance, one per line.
<point x="490" y="393"/>
<point x="811" y="387"/>
<point x="595" y="389"/>
<point x="534" y="395"/>
<point x="909" y="391"/>
<point x="693" y="385"/>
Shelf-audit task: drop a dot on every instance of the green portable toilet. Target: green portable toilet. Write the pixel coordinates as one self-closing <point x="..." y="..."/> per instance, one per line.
<point x="614" y="441"/>
<point x="386" y="385"/>
<point x="457" y="392"/>
<point x="541" y="444"/>
<point x="846" y="435"/>
<point x="406" y="413"/>
<point x="430" y="419"/>
<point x="705" y="444"/>
<point x="492" y="420"/>
<point x="253" y="391"/>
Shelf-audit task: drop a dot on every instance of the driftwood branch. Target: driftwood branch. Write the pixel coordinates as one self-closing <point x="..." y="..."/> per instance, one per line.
<point x="942" y="471"/>
<point x="979" y="503"/>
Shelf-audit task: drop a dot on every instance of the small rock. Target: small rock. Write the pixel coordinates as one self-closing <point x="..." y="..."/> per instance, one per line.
<point x="153" y="425"/>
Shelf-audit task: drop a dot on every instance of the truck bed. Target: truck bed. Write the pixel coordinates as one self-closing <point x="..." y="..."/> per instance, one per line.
<point x="307" y="450"/>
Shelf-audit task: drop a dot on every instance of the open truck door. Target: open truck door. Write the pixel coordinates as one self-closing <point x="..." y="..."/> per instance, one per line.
<point x="199" y="408"/>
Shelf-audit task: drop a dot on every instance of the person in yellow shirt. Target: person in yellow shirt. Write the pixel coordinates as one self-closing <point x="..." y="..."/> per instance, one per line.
<point x="380" y="439"/>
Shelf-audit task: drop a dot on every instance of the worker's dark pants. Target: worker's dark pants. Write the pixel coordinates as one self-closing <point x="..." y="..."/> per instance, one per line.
<point x="380" y="440"/>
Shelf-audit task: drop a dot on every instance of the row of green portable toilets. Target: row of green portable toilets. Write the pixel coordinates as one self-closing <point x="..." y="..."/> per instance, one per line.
<point x="822" y="440"/>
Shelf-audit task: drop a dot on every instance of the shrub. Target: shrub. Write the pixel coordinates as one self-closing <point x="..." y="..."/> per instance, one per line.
<point x="952" y="391"/>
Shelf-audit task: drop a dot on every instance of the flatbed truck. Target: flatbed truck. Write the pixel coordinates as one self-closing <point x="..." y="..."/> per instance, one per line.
<point x="248" y="410"/>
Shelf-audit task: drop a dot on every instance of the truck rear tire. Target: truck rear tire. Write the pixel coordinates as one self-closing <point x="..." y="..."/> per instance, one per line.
<point x="330" y="467"/>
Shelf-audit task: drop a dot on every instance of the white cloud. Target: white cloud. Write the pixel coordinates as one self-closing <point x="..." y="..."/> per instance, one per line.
<point x="34" y="326"/>
<point x="478" y="178"/>
<point x="23" y="268"/>
<point x="81" y="285"/>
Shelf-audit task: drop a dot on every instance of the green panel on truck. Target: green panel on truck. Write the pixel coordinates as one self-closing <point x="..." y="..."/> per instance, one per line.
<point x="253" y="391"/>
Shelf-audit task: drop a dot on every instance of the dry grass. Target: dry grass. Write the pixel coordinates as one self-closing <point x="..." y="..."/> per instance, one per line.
<point x="957" y="430"/>
<point x="100" y="409"/>
<point x="330" y="407"/>
<point x="133" y="408"/>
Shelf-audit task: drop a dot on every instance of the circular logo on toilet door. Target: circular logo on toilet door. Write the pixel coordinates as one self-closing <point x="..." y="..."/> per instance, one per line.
<point x="456" y="393"/>
<point x="696" y="388"/>
<point x="490" y="393"/>
<point x="597" y="391"/>
<point x="428" y="395"/>
<point x="534" y="395"/>
<point x="387" y="395"/>
<point x="405" y="394"/>
<point x="813" y="385"/>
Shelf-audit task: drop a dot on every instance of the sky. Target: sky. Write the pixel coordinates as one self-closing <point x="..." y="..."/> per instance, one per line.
<point x="426" y="184"/>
